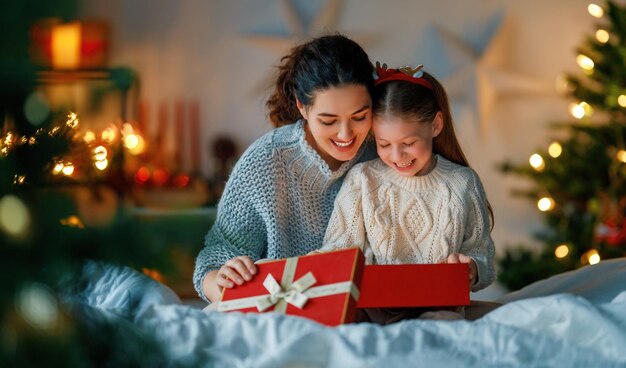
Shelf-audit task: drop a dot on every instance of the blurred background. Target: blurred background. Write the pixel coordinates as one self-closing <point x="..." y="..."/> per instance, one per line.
<point x="122" y="119"/>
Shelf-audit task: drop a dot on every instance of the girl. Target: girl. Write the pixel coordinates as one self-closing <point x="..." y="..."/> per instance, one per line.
<point x="420" y="202"/>
<point x="280" y="195"/>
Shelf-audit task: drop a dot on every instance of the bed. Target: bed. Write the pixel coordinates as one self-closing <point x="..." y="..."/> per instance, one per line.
<point x="573" y="319"/>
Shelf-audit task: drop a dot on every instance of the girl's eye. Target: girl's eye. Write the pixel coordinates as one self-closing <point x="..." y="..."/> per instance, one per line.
<point x="409" y="144"/>
<point x="359" y="118"/>
<point x="383" y="145"/>
<point x="327" y="123"/>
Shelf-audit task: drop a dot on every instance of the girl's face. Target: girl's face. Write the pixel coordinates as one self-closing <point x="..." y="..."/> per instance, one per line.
<point x="405" y="145"/>
<point x="338" y="122"/>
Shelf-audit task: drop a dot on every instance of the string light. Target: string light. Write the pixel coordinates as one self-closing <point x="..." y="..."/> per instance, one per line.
<point x="545" y="204"/>
<point x="100" y="153"/>
<point x="536" y="161"/>
<point x="109" y="135"/>
<point x="73" y="221"/>
<point x="101" y="164"/>
<point x="591" y="257"/>
<point x="576" y="110"/>
<point x="555" y="149"/>
<point x="585" y="62"/>
<point x="621" y="100"/>
<point x="602" y="36"/>
<point x="19" y="179"/>
<point x="595" y="10"/>
<point x="72" y="120"/>
<point x="561" y="251"/>
<point x="58" y="168"/>
<point x="89" y="137"/>
<point x="68" y="169"/>
<point x="621" y="155"/>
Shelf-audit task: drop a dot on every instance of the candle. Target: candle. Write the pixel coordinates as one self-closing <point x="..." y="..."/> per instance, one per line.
<point x="66" y="46"/>
<point x="195" y="136"/>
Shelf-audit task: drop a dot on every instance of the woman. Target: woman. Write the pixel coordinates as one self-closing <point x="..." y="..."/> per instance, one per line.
<point x="280" y="195"/>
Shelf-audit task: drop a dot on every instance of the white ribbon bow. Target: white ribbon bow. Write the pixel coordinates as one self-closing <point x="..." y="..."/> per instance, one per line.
<point x="292" y="295"/>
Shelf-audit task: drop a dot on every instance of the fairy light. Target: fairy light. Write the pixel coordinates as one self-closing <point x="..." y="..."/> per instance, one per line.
<point x="555" y="149"/>
<point x="109" y="134"/>
<point x="537" y="162"/>
<point x="586" y="108"/>
<point x="602" y="36"/>
<point x="101" y="164"/>
<point x="100" y="153"/>
<point x="19" y="179"/>
<point x="89" y="137"/>
<point x="73" y="221"/>
<point x="621" y="155"/>
<point x="38" y="306"/>
<point x="561" y="251"/>
<point x="54" y="131"/>
<point x="576" y="110"/>
<point x="591" y="257"/>
<point x="621" y="100"/>
<point x="545" y="204"/>
<point x="585" y="62"/>
<point x="595" y="10"/>
<point x="58" y="168"/>
<point x="135" y="144"/>
<point x="72" y="120"/>
<point x="68" y="169"/>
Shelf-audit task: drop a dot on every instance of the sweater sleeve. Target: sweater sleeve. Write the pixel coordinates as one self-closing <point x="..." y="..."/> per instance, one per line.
<point x="346" y="227"/>
<point x="239" y="228"/>
<point x="477" y="241"/>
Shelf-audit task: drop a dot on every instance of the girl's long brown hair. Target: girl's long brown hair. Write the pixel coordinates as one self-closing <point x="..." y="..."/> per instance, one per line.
<point x="415" y="102"/>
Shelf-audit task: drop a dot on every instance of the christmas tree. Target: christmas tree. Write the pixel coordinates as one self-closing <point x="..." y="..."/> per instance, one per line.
<point x="579" y="182"/>
<point x="46" y="233"/>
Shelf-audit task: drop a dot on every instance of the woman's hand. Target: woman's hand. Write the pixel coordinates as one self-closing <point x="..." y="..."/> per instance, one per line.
<point x="462" y="258"/>
<point x="237" y="270"/>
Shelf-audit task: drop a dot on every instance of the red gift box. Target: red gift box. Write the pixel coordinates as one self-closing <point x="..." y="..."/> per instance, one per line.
<point x="322" y="287"/>
<point x="414" y="285"/>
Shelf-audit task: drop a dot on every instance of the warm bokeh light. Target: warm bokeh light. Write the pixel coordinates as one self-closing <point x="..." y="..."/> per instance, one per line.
<point x="100" y="153"/>
<point x="142" y="175"/>
<point x="73" y="221"/>
<point x="135" y="144"/>
<point x="58" y="167"/>
<point x="621" y="100"/>
<point x="545" y="204"/>
<point x="181" y="180"/>
<point x="584" y="62"/>
<point x="14" y="216"/>
<point x="160" y="177"/>
<point x="536" y="161"/>
<point x="621" y="155"/>
<point x="590" y="257"/>
<point x="595" y="10"/>
<point x="602" y="36"/>
<point x="89" y="137"/>
<point x="68" y="169"/>
<point x="101" y="164"/>
<point x="72" y="120"/>
<point x="586" y="108"/>
<point x="555" y="149"/>
<point x="109" y="134"/>
<point x="561" y="251"/>
<point x="576" y="110"/>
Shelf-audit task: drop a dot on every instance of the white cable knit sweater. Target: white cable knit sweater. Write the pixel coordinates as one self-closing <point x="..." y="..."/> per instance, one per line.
<point x="419" y="219"/>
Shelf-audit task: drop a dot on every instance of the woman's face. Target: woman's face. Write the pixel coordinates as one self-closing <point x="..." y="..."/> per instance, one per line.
<point x="406" y="146"/>
<point x="338" y="122"/>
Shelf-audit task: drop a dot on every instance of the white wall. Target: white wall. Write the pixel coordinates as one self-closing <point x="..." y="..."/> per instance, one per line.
<point x="200" y="49"/>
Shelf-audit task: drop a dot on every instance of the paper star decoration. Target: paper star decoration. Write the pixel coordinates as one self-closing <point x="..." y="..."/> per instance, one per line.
<point x="481" y="74"/>
<point x="298" y="31"/>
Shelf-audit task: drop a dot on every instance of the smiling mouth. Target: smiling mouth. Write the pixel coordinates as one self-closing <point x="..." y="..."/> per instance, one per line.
<point x="343" y="144"/>
<point x="404" y="165"/>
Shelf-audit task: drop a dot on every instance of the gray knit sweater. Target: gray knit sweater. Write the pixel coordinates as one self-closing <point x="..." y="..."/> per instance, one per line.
<point x="276" y="203"/>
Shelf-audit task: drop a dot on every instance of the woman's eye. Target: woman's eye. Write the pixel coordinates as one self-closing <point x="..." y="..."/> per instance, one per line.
<point x="409" y="144"/>
<point x="327" y="123"/>
<point x="359" y="118"/>
<point x="383" y="145"/>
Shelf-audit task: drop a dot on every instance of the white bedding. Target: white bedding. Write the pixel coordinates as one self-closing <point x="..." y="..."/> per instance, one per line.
<point x="558" y="330"/>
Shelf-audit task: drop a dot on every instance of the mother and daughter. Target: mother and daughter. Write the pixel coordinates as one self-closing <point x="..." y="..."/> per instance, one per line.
<point x="314" y="183"/>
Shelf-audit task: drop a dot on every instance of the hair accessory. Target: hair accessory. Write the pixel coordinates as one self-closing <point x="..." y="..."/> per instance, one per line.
<point x="405" y="73"/>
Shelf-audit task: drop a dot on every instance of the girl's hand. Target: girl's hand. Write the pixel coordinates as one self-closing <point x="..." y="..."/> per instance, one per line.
<point x="462" y="258"/>
<point x="237" y="270"/>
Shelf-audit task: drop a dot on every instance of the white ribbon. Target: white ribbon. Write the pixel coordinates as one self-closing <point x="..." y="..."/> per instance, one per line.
<point x="296" y="293"/>
<point x="293" y="295"/>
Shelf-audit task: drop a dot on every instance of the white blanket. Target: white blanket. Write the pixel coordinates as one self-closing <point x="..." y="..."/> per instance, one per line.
<point x="560" y="330"/>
